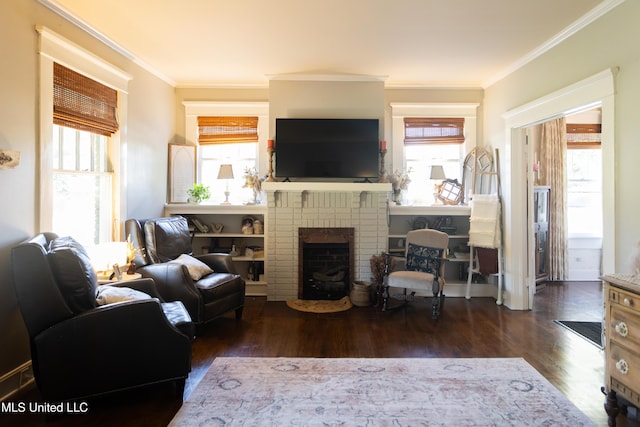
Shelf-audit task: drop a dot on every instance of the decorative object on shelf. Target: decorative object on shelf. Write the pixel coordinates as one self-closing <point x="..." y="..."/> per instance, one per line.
<point x="451" y="192"/>
<point x="437" y="174"/>
<point x="247" y="225"/>
<point x="270" y="150"/>
<point x="419" y="222"/>
<point x="226" y="173"/>
<point x="9" y="159"/>
<point x="217" y="228"/>
<point x="258" y="228"/>
<point x="399" y="182"/>
<point x="182" y="171"/>
<point x="233" y="252"/>
<point x="198" y="193"/>
<point x="253" y="181"/>
<point x="202" y="227"/>
<point x="383" y="153"/>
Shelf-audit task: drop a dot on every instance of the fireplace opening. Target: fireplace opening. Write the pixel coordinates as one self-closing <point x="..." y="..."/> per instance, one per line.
<point x="326" y="263"/>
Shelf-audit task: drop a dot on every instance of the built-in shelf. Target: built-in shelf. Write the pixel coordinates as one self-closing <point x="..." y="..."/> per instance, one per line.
<point x="205" y="208"/>
<point x="432" y="210"/>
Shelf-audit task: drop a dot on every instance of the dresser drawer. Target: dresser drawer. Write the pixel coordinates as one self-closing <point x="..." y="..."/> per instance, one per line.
<point x="623" y="365"/>
<point x="625" y="299"/>
<point x="624" y="327"/>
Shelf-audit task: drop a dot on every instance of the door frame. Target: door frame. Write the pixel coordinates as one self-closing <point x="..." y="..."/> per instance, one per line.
<point x="597" y="90"/>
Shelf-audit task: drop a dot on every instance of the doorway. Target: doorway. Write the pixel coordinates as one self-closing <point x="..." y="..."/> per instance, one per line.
<point x="597" y="90"/>
<point x="576" y="251"/>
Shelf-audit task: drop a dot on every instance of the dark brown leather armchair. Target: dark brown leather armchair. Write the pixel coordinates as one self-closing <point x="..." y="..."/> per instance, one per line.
<point x="80" y="349"/>
<point x="159" y="241"/>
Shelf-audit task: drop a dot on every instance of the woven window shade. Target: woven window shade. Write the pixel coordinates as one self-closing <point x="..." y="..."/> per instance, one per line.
<point x="221" y="130"/>
<point x="427" y="130"/>
<point x="82" y="103"/>
<point x="584" y="135"/>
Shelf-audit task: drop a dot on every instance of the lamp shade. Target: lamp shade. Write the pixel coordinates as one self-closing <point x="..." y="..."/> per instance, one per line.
<point x="225" y="172"/>
<point x="437" y="172"/>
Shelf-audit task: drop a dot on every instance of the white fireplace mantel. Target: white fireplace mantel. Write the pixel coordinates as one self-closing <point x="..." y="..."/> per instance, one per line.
<point x="351" y="187"/>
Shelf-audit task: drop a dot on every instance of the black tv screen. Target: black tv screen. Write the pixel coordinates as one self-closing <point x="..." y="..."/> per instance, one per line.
<point x="327" y="148"/>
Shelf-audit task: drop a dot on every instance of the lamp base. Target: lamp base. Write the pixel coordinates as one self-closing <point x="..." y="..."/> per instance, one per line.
<point x="226" y="198"/>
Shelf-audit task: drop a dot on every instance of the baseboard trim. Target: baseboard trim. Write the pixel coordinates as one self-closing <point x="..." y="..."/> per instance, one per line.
<point x="16" y="380"/>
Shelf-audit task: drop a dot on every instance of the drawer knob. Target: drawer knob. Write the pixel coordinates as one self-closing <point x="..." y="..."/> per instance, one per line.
<point x="622" y="329"/>
<point x="626" y="302"/>
<point x="622" y="366"/>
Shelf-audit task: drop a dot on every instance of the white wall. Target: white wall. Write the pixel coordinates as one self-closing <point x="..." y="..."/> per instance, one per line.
<point x="601" y="46"/>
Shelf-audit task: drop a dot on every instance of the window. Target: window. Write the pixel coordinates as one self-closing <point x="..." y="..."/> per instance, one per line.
<point x="431" y="134"/>
<point x="228" y="133"/>
<point x="82" y="185"/>
<point x="432" y="141"/>
<point x="80" y="188"/>
<point x="227" y="140"/>
<point x="84" y="117"/>
<point x="241" y="157"/>
<point x="584" y="180"/>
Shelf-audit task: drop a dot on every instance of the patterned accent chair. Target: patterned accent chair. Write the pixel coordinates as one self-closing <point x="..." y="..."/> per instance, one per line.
<point x="421" y="270"/>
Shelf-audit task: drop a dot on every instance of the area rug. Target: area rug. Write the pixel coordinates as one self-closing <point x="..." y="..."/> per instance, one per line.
<point x="376" y="392"/>
<point x="591" y="331"/>
<point x="320" y="306"/>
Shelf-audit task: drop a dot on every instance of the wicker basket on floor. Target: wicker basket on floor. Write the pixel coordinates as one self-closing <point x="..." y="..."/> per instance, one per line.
<point x="360" y="294"/>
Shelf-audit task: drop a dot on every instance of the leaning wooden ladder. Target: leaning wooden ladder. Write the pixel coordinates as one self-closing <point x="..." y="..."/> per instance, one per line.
<point x="476" y="158"/>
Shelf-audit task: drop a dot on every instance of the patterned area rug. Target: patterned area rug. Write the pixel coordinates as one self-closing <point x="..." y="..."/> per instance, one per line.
<point x="376" y="392"/>
<point x="320" y="306"/>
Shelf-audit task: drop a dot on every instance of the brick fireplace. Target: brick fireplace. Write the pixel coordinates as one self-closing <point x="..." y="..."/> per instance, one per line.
<point x="292" y="206"/>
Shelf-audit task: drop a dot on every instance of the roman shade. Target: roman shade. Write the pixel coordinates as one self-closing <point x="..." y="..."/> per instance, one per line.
<point x="430" y="130"/>
<point x="82" y="103"/>
<point x="227" y="129"/>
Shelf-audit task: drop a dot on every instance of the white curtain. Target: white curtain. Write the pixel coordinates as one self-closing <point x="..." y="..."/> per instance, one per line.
<point x="553" y="152"/>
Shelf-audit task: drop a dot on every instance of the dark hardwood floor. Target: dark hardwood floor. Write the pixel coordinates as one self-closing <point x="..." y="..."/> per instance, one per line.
<point x="475" y="328"/>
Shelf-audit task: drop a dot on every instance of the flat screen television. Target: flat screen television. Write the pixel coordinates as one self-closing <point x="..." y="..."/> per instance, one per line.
<point x="327" y="148"/>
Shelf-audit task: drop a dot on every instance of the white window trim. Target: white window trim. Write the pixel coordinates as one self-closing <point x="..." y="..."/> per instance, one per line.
<point x="55" y="48"/>
<point x="193" y="109"/>
<point x="401" y="110"/>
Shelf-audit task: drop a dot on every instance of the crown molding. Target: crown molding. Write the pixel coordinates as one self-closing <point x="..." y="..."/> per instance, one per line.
<point x="581" y="23"/>
<point x="55" y="7"/>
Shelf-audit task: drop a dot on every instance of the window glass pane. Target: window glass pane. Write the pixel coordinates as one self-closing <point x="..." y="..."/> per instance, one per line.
<point x="241" y="156"/>
<point x="420" y="158"/>
<point x="84" y="151"/>
<point x="82" y="199"/>
<point x="584" y="192"/>
<point x="68" y="148"/>
<point x="82" y="207"/>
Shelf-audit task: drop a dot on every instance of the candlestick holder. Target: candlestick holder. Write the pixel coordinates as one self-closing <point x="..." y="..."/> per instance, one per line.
<point x="383" y="171"/>
<point x="270" y="177"/>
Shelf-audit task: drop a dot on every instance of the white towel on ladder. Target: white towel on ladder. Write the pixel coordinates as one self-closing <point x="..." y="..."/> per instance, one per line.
<point x="484" y="223"/>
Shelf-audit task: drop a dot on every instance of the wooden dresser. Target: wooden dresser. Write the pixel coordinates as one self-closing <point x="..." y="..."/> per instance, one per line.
<point x="622" y="332"/>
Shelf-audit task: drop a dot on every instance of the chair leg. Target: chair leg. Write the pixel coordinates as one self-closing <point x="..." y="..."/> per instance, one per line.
<point x="180" y="385"/>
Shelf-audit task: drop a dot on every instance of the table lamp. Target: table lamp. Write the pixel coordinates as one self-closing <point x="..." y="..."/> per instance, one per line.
<point x="437" y="173"/>
<point x="226" y="173"/>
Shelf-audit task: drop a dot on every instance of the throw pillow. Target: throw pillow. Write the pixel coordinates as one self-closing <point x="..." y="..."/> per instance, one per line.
<point x="109" y="294"/>
<point x="424" y="259"/>
<point x="74" y="273"/>
<point x="197" y="269"/>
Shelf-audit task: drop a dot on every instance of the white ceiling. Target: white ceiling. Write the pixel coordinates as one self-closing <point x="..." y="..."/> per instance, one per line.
<point x="441" y="43"/>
